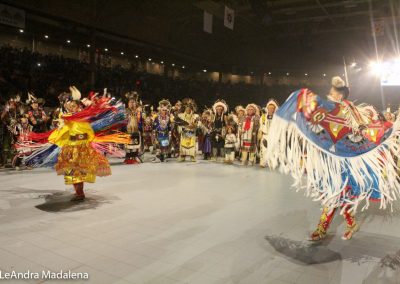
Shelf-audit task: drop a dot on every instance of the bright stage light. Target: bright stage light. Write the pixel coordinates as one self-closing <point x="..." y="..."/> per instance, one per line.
<point x="376" y="67"/>
<point x="390" y="73"/>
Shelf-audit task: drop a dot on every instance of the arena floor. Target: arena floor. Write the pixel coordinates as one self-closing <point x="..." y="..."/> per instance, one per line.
<point x="200" y="222"/>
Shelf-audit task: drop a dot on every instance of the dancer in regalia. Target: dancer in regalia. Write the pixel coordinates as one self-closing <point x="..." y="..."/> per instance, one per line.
<point x="162" y="131"/>
<point x="148" y="138"/>
<point x="230" y="142"/>
<point x="37" y="116"/>
<point x="249" y="131"/>
<point x="9" y="121"/>
<point x="23" y="143"/>
<point x="220" y="108"/>
<point x="188" y="121"/>
<point x="76" y="147"/>
<point x="207" y="119"/>
<point x="265" y="123"/>
<point x="340" y="153"/>
<point x="134" y="129"/>
<point x="175" y="135"/>
<point x="240" y="115"/>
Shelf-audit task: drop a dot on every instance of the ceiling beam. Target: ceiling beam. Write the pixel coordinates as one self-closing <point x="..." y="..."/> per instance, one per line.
<point x="326" y="13"/>
<point x="321" y="18"/>
<point x="315" y="7"/>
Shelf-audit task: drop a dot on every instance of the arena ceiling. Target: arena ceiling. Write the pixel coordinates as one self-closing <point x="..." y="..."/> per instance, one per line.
<point x="267" y="34"/>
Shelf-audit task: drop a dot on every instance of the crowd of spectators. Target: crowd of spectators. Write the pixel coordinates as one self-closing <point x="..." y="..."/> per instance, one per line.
<point x="48" y="75"/>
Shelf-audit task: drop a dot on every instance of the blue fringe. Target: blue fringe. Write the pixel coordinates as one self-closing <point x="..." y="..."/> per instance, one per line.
<point x="44" y="157"/>
<point x="109" y="119"/>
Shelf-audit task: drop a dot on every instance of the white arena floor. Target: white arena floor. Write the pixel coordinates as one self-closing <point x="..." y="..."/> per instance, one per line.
<point x="200" y="222"/>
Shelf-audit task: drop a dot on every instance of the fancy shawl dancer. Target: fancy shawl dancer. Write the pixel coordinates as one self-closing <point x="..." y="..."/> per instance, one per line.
<point x="265" y="123"/>
<point x="78" y="145"/>
<point x="344" y="151"/>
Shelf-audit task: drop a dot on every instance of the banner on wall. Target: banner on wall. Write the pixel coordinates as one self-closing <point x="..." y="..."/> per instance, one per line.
<point x="207" y="22"/>
<point x="229" y="18"/>
<point x="378" y="28"/>
<point x="12" y="16"/>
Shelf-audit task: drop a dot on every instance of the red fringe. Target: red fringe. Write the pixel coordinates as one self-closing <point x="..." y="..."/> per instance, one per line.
<point x="40" y="137"/>
<point x="86" y="114"/>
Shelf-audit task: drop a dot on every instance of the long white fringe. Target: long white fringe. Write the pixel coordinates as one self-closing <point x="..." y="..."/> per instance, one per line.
<point x="319" y="172"/>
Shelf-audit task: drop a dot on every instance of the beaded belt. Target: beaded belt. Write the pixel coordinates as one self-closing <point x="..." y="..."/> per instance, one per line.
<point x="78" y="137"/>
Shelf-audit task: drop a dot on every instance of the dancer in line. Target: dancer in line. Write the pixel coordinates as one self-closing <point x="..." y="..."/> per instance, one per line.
<point x="249" y="131"/>
<point x="220" y="108"/>
<point x="134" y="129"/>
<point x="162" y="131"/>
<point x="188" y="121"/>
<point x="265" y="123"/>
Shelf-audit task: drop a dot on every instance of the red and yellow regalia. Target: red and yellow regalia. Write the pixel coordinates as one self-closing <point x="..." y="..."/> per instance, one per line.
<point x="83" y="137"/>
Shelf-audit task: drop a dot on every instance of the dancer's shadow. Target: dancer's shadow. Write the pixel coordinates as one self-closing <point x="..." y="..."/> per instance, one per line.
<point x="378" y="250"/>
<point x="303" y="252"/>
<point x="60" y="202"/>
